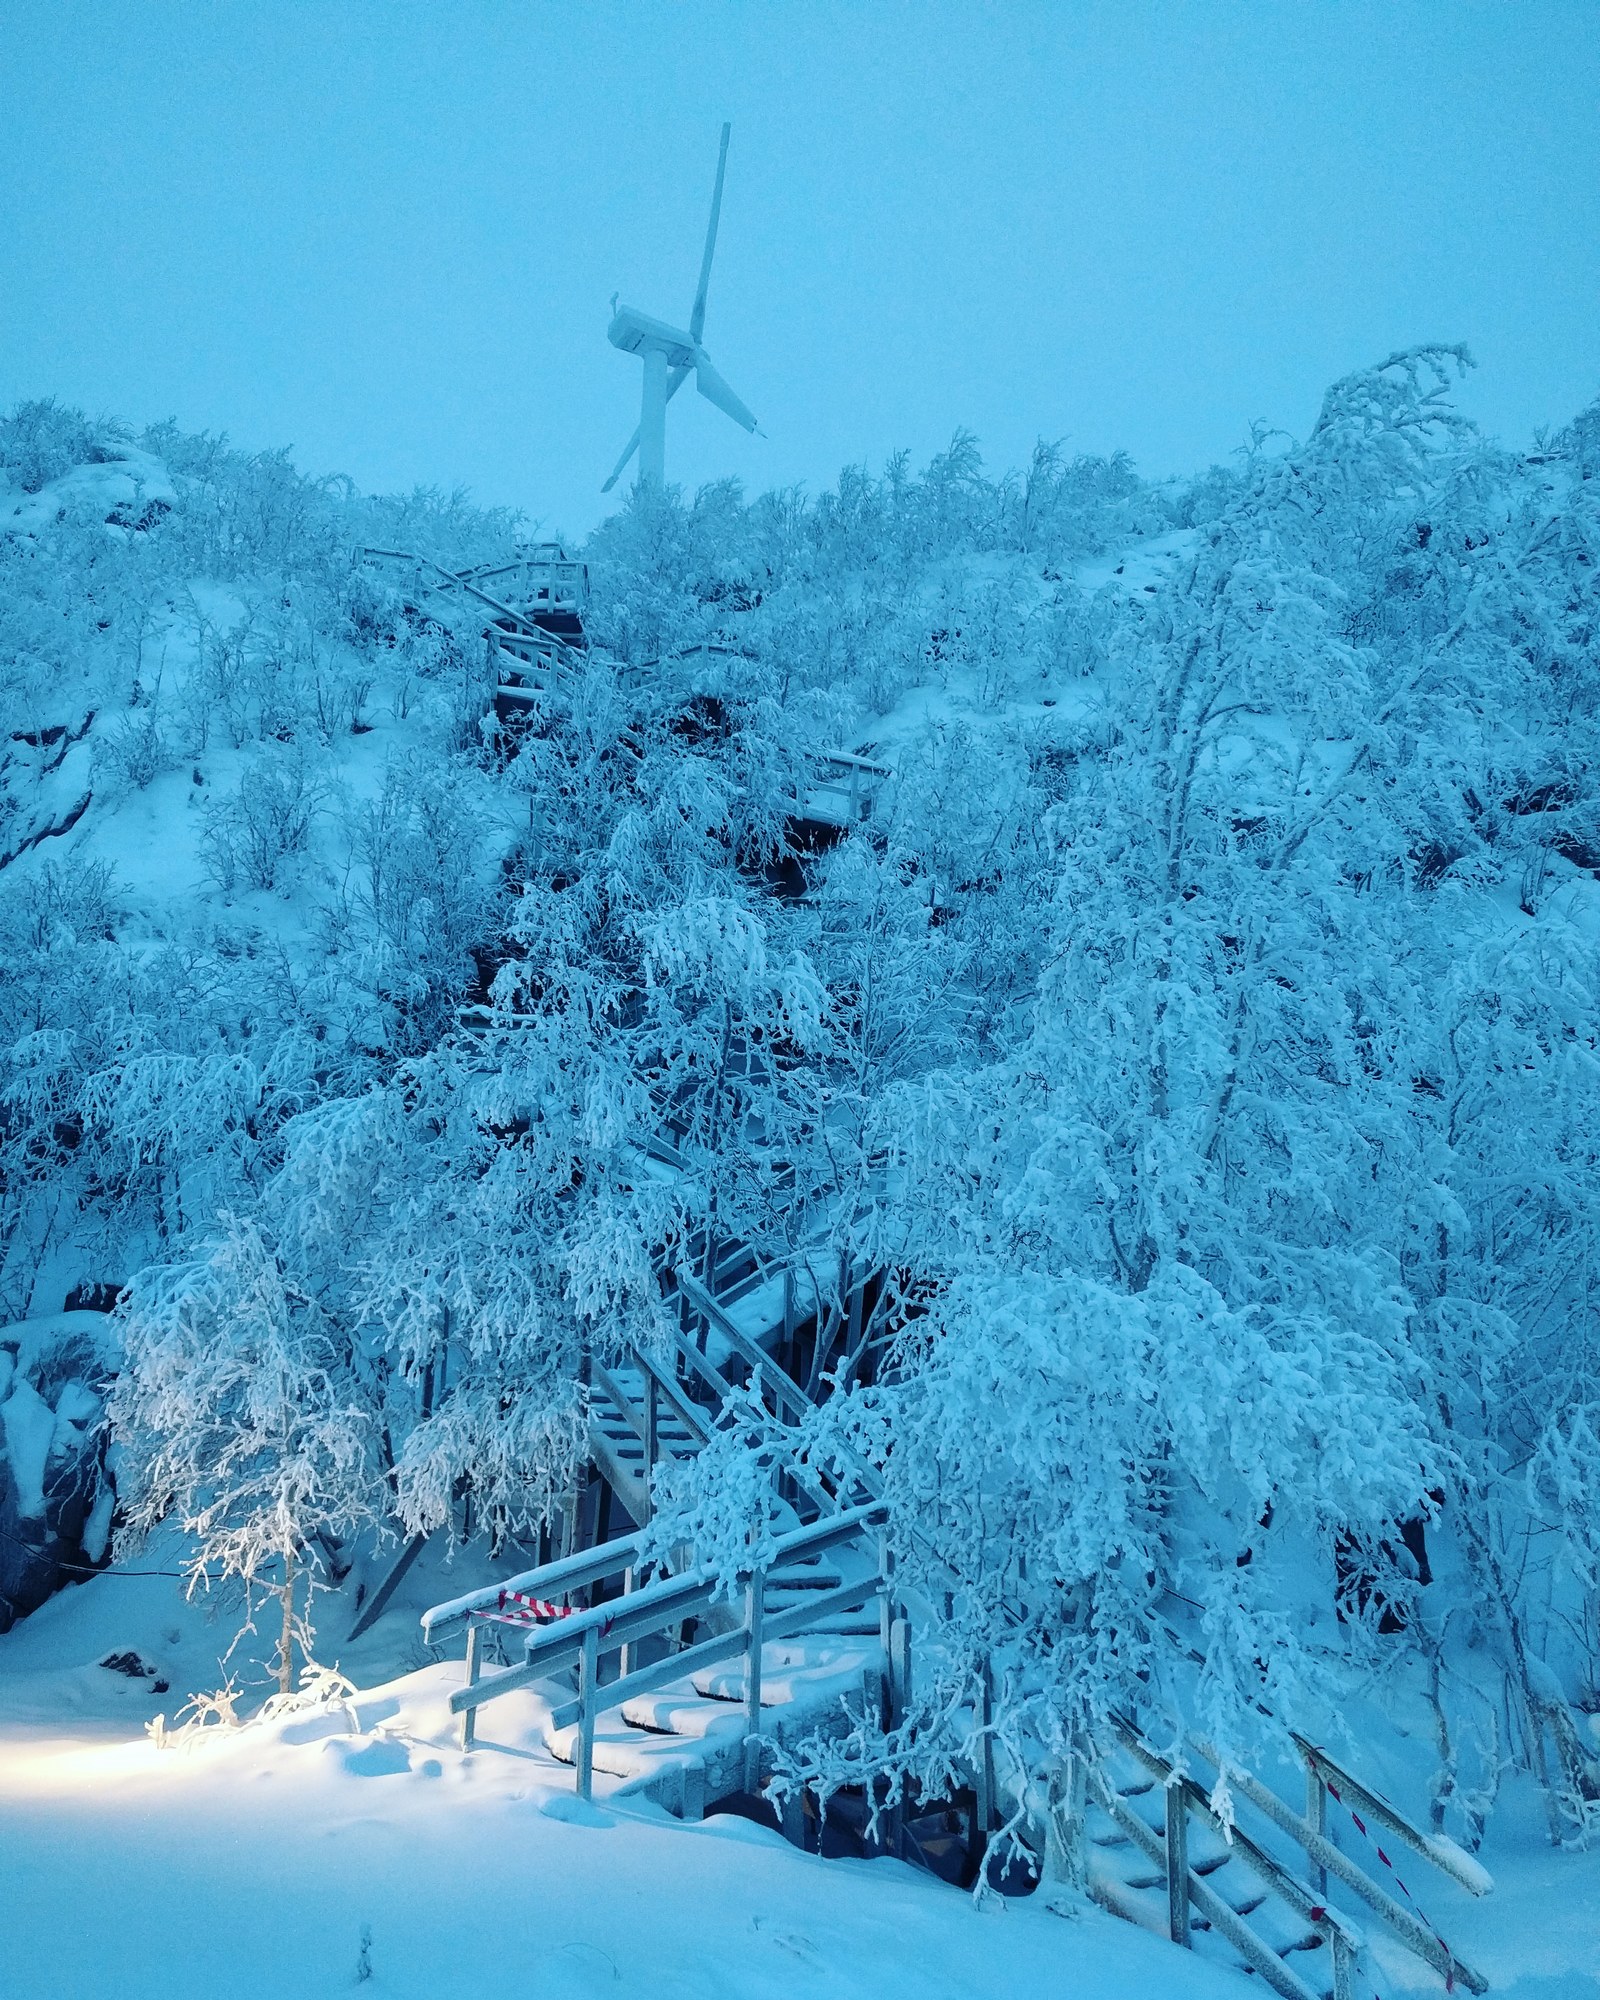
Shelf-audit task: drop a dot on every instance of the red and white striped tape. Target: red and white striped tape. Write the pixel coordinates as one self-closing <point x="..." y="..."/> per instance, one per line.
<point x="1422" y="1916"/>
<point x="516" y="1607"/>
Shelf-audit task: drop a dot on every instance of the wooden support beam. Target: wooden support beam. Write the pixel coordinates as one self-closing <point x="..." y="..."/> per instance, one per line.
<point x="1441" y="1854"/>
<point x="755" y="1603"/>
<point x="374" y="1607"/>
<point x="1222" y="1917"/>
<point x="469" y="1716"/>
<point x="1415" y="1935"/>
<point x="1177" y="1856"/>
<point x="1317" y="1817"/>
<point x="588" y="1700"/>
<point x="652" y="1439"/>
<point x="985" y="1813"/>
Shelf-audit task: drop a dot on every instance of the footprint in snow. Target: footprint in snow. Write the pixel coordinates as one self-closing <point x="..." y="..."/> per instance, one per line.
<point x="380" y="1757"/>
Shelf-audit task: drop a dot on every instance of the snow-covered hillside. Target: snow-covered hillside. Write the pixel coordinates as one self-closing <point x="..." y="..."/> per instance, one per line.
<point x="1163" y="1100"/>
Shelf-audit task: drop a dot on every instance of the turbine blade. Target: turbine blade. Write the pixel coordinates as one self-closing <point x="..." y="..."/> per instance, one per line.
<point x="632" y="447"/>
<point x="697" y="318"/>
<point x="675" y="382"/>
<point x="716" y="390"/>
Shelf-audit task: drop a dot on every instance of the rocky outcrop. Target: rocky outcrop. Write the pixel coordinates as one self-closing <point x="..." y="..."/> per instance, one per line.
<point x="56" y="1499"/>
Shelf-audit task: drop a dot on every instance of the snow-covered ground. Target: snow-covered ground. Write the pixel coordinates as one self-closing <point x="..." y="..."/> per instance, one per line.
<point x="256" y="1862"/>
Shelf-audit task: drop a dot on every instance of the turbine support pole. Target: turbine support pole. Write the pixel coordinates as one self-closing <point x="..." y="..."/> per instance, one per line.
<point x="653" y="420"/>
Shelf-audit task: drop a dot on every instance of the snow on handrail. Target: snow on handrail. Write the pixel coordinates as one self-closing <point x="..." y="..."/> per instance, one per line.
<point x="1435" y="1849"/>
<point x="553" y="1579"/>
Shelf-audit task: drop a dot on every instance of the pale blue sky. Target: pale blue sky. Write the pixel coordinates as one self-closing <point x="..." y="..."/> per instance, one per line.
<point x="387" y="234"/>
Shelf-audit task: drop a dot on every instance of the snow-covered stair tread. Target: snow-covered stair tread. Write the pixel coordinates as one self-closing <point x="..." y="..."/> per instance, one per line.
<point x="796" y="1670"/>
<point x="695" y="1720"/>
<point x="682" y="1711"/>
<point x="622" y="1751"/>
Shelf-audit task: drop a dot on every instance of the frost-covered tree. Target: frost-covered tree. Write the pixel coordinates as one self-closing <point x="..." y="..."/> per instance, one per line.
<point x="239" y="1413"/>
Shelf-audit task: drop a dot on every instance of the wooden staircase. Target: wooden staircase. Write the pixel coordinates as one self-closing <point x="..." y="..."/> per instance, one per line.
<point x="664" y="1683"/>
<point x="660" y="1678"/>
<point x="538" y="653"/>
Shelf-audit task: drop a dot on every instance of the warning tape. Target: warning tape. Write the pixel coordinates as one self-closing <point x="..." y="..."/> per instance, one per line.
<point x="516" y="1607"/>
<point x="1422" y="1916"/>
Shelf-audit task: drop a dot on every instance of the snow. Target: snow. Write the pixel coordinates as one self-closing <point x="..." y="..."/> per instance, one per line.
<point x="1039" y="729"/>
<point x="29" y="1424"/>
<point x="250" y="1863"/>
<point x="124" y="490"/>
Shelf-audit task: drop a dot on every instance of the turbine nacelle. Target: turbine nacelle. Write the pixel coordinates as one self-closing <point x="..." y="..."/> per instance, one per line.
<point x="634" y="331"/>
<point x="669" y="356"/>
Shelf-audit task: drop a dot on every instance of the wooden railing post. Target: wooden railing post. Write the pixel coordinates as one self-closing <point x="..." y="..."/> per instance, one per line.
<point x="589" y="1697"/>
<point x="899" y="1670"/>
<point x="469" y="1716"/>
<point x="1317" y="1817"/>
<point x="1344" y="1968"/>
<point x="1065" y="1859"/>
<point x="1177" y="1862"/>
<point x="652" y="1444"/>
<point x="886" y="1626"/>
<point x="630" y="1647"/>
<point x="755" y="1608"/>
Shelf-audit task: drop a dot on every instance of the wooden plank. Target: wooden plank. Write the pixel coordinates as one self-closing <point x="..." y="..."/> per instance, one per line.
<point x="1301" y="1898"/>
<point x="1177" y="1861"/>
<point x="588" y="1700"/>
<point x="720" y="1646"/>
<point x="782" y="1384"/>
<point x="555" y="1579"/>
<point x="660" y="1673"/>
<point x="375" y="1606"/>
<point x="986" y="1799"/>
<point x="619" y="1476"/>
<point x="1255" y="1951"/>
<point x="694" y="1419"/>
<point x="1222" y="1917"/>
<point x="1438" y="1854"/>
<point x="495" y="1685"/>
<point x="755" y="1597"/>
<point x="469" y="1716"/>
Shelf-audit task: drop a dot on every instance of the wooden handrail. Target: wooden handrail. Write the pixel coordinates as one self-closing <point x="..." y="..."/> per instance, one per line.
<point x="554" y="1579"/>
<point x="706" y="1652"/>
<point x="1300" y="1898"/>
<point x="1441" y="1854"/>
<point x="689" y="1414"/>
<point x="523" y="628"/>
<point x="782" y="1383"/>
<point x="1255" y="1951"/>
<point x="1409" y="1929"/>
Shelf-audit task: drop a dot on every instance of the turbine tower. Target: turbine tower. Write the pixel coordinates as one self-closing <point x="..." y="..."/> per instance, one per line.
<point x="669" y="356"/>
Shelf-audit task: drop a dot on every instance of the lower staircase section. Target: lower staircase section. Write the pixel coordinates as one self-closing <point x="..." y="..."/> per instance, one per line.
<point x="685" y="1744"/>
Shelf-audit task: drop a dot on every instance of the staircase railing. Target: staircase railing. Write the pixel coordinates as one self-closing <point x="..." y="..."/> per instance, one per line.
<point x="1184" y="1798"/>
<point x="661" y="1608"/>
<point x="840" y="783"/>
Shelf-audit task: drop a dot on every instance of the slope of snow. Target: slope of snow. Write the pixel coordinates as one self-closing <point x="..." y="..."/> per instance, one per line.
<point x="251" y="1862"/>
<point x="254" y="1862"/>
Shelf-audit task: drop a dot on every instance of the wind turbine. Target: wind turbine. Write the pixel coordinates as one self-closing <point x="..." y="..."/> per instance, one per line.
<point x="669" y="356"/>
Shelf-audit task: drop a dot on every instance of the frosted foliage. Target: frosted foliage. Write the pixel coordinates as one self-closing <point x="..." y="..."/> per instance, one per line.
<point x="1275" y="1224"/>
<point x="1196" y="1044"/>
<point x="237" y="1393"/>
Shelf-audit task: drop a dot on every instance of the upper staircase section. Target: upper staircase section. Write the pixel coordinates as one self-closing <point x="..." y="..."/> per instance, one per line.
<point x="537" y="647"/>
